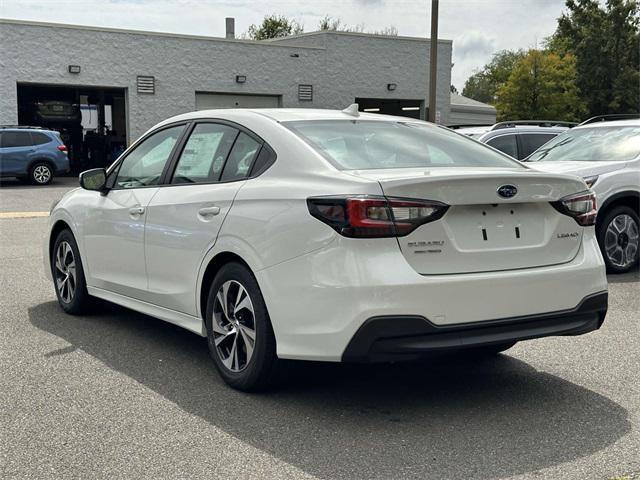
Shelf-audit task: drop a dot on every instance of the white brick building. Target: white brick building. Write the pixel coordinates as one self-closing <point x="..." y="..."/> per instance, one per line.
<point x="40" y="63"/>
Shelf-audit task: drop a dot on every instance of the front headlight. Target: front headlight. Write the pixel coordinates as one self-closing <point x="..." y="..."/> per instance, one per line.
<point x="590" y="181"/>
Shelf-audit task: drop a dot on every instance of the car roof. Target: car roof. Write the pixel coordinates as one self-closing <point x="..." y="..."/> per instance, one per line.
<point x="468" y="130"/>
<point x="287" y="114"/>
<point x="522" y="129"/>
<point x="528" y="128"/>
<point x="634" y="122"/>
<point x="20" y="128"/>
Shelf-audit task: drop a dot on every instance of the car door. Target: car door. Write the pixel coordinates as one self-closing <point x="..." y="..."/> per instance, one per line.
<point x="113" y="227"/>
<point x="184" y="218"/>
<point x="16" y="150"/>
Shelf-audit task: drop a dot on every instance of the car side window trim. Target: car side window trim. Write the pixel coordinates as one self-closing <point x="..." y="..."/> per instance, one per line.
<point x="115" y="168"/>
<point x="174" y="168"/>
<point x="272" y="158"/>
<point x="226" y="159"/>
<point x="173" y="163"/>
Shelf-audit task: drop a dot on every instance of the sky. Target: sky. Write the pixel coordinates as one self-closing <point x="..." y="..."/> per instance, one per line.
<point x="478" y="28"/>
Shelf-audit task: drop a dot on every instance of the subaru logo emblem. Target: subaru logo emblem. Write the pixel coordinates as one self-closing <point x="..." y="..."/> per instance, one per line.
<point x="507" y="191"/>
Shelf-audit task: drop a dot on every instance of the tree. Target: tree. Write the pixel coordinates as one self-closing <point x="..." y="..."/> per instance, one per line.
<point x="336" y="25"/>
<point x="274" y="26"/>
<point x="606" y="43"/>
<point x="330" y="23"/>
<point x="483" y="84"/>
<point x="542" y="85"/>
<point x="453" y="89"/>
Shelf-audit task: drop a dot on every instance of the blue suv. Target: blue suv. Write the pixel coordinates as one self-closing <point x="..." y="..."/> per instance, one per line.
<point x="32" y="154"/>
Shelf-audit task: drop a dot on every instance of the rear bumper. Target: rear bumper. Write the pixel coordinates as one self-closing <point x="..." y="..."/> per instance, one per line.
<point x="318" y="302"/>
<point x="62" y="166"/>
<point x="407" y="337"/>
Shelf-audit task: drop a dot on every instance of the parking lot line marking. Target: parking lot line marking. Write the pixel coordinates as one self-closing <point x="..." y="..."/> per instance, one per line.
<point x="23" y="214"/>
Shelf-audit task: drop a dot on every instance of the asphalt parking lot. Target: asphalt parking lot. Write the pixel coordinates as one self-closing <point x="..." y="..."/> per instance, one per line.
<point x="121" y="395"/>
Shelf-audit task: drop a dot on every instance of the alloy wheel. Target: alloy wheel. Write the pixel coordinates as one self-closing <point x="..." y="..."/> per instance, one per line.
<point x="65" y="272"/>
<point x="233" y="326"/>
<point x="621" y="241"/>
<point x="42" y="174"/>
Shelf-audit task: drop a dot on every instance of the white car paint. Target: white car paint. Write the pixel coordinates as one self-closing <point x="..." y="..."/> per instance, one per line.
<point x="614" y="180"/>
<point x="319" y="286"/>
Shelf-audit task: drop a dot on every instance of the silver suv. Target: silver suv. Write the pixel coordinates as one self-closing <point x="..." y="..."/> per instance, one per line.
<point x="607" y="155"/>
<point x="519" y="139"/>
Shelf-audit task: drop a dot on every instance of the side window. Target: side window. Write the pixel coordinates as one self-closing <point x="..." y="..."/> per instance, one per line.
<point x="204" y="153"/>
<point x="264" y="160"/>
<point x="15" y="139"/>
<point x="530" y="142"/>
<point x="240" y="159"/>
<point x="39" y="138"/>
<point x="144" y="165"/>
<point x="506" y="144"/>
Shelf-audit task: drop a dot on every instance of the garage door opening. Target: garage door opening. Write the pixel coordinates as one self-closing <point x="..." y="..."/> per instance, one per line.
<point x="92" y="121"/>
<point x="206" y="100"/>
<point x="401" y="108"/>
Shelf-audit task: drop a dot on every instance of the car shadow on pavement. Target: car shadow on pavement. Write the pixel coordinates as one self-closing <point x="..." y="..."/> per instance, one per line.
<point x="629" y="277"/>
<point x="478" y="419"/>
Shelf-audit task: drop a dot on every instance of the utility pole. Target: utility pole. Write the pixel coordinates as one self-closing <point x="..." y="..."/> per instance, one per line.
<point x="433" y="61"/>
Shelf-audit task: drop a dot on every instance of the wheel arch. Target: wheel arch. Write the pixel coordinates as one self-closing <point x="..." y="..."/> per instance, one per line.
<point x="46" y="160"/>
<point x="215" y="264"/>
<point x="628" y="198"/>
<point x="58" y="227"/>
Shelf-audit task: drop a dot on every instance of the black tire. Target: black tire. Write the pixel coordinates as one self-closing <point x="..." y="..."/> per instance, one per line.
<point x="260" y="369"/>
<point x="79" y="302"/>
<point x="41" y="173"/>
<point x="612" y="261"/>
<point x="490" y="350"/>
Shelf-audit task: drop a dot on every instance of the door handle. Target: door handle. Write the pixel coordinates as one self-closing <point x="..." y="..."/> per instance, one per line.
<point x="209" y="211"/>
<point x="136" y="210"/>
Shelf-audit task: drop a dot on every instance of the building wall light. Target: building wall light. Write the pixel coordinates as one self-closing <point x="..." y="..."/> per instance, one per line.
<point x="241" y="78"/>
<point x="74" y="68"/>
<point x="391" y="86"/>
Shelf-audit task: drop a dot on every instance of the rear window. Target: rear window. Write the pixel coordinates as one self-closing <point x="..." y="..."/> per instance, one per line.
<point x="368" y="144"/>
<point x="39" y="138"/>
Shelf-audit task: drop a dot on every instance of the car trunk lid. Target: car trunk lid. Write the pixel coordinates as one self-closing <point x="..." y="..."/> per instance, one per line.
<point x="483" y="231"/>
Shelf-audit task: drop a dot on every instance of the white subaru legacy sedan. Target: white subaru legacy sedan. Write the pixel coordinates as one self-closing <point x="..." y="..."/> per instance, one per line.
<point x="329" y="235"/>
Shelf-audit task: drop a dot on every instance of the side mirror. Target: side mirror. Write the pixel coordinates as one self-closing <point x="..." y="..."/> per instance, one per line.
<point x="94" y="179"/>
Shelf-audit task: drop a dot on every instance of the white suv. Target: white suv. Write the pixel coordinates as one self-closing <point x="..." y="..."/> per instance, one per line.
<point x="607" y="156"/>
<point x="329" y="235"/>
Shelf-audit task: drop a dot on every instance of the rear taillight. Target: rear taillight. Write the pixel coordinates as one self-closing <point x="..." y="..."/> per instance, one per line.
<point x="373" y="216"/>
<point x="62" y="148"/>
<point x="581" y="206"/>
